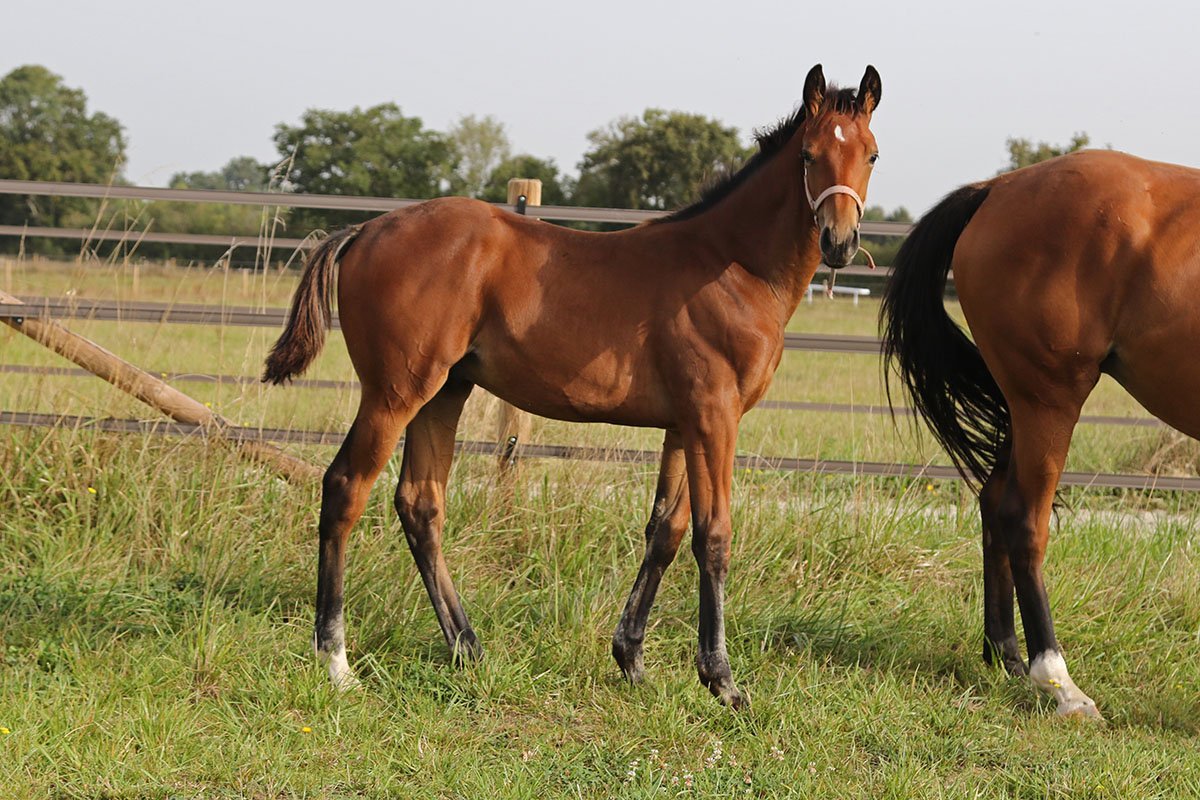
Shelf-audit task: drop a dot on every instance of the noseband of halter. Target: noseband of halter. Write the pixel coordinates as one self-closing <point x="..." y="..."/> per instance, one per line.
<point x="832" y="190"/>
<point x="837" y="188"/>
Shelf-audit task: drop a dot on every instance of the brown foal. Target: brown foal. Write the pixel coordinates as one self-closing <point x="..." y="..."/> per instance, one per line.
<point x="677" y="324"/>
<point x="1082" y="265"/>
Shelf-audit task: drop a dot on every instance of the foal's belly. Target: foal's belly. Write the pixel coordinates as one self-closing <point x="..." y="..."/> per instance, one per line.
<point x="604" y="385"/>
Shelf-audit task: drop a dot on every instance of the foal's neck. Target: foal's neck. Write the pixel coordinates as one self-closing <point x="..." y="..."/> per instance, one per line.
<point x="766" y="227"/>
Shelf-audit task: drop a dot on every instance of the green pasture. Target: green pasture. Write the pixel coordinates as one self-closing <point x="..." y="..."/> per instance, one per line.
<point x="156" y="603"/>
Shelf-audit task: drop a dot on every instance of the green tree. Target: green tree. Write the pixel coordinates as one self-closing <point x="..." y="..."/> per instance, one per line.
<point x="480" y="145"/>
<point x="661" y="160"/>
<point x="241" y="174"/>
<point x="555" y="187"/>
<point x="47" y="134"/>
<point x="367" y="152"/>
<point x="1023" y="152"/>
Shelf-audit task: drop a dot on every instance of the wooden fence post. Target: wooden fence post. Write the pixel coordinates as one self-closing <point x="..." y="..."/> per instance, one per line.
<point x="150" y="390"/>
<point x="514" y="424"/>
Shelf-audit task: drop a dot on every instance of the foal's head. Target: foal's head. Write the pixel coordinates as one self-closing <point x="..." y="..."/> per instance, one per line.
<point x="835" y="151"/>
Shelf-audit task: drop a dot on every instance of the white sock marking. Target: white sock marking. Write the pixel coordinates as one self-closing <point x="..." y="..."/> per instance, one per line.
<point x="1048" y="672"/>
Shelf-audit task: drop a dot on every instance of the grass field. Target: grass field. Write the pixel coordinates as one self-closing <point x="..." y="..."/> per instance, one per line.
<point x="156" y="603"/>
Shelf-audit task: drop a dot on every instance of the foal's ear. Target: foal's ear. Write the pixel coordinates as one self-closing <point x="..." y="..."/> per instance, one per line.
<point x="814" y="91"/>
<point x="869" y="90"/>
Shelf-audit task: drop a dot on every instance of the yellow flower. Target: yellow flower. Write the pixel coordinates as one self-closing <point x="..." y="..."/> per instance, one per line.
<point x="91" y="490"/>
<point x="929" y="487"/>
<point x="306" y="729"/>
<point x="4" y="731"/>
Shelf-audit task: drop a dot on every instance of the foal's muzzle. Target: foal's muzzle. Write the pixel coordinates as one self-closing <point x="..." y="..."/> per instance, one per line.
<point x="837" y="249"/>
<point x="835" y="252"/>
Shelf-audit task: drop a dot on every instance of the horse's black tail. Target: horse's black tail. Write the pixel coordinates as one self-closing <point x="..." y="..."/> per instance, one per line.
<point x="311" y="313"/>
<point x="941" y="368"/>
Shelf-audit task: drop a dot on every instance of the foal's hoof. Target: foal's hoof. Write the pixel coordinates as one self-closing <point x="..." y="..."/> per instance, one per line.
<point x="1015" y="667"/>
<point x="340" y="674"/>
<point x="629" y="659"/>
<point x="346" y="681"/>
<point x="466" y="650"/>
<point x="1083" y="708"/>
<point x="732" y="697"/>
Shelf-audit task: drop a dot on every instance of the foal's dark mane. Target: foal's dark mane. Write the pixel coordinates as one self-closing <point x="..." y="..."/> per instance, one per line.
<point x="770" y="142"/>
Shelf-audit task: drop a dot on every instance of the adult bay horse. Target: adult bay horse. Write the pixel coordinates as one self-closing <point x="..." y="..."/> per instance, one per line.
<point x="1082" y="265"/>
<point x="677" y="324"/>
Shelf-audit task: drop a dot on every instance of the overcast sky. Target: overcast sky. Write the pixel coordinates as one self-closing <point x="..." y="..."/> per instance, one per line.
<point x="195" y="84"/>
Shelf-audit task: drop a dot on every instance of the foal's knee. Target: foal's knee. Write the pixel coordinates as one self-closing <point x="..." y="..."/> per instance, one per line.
<point x="340" y="502"/>
<point x="663" y="535"/>
<point x="418" y="514"/>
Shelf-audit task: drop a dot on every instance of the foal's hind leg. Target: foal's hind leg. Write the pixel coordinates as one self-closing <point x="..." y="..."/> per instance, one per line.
<point x="421" y="504"/>
<point x="668" y="522"/>
<point x="1041" y="435"/>
<point x="347" y="484"/>
<point x="999" y="629"/>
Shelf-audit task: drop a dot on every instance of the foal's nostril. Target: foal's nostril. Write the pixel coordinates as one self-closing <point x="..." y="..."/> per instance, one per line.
<point x="826" y="240"/>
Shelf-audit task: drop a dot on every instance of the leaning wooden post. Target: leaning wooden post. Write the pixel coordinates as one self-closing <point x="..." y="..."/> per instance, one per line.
<point x="514" y="424"/>
<point x="151" y="391"/>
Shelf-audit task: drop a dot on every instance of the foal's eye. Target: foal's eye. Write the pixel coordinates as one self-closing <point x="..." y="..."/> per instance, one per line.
<point x="807" y="156"/>
<point x="874" y="157"/>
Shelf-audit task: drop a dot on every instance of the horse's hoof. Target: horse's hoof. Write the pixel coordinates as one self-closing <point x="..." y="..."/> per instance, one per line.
<point x="340" y="674"/>
<point x="466" y="651"/>
<point x="734" y="698"/>
<point x="346" y="681"/>
<point x="629" y="659"/>
<point x="1016" y="668"/>
<point x="1081" y="709"/>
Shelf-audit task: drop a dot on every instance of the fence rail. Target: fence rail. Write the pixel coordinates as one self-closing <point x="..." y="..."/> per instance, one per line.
<point x="875" y="469"/>
<point x="172" y="313"/>
<point x="766" y="405"/>
<point x="296" y="200"/>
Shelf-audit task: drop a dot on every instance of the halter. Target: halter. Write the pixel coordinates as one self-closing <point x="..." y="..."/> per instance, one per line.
<point x="832" y="190"/>
<point x="837" y="188"/>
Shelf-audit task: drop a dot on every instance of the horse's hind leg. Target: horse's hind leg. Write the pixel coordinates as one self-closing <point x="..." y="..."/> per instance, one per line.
<point x="668" y="523"/>
<point x="347" y="484"/>
<point x="421" y="504"/>
<point x="999" y="629"/>
<point x="1041" y="436"/>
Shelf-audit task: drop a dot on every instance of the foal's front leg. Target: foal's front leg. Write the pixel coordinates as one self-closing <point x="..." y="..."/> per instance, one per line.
<point x="709" y="449"/>
<point x="668" y="522"/>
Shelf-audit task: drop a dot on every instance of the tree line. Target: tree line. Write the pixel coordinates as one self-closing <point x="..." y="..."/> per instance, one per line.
<point x="657" y="160"/>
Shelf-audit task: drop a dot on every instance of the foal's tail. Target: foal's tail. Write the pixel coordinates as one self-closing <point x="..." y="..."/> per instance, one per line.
<point x="310" y="316"/>
<point x="941" y="368"/>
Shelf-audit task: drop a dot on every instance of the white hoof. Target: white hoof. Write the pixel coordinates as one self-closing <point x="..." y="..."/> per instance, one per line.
<point x="1048" y="672"/>
<point x="1081" y="707"/>
<point x="340" y="674"/>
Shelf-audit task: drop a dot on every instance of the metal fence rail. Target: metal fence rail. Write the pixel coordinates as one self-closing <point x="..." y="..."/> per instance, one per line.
<point x="323" y="383"/>
<point x="183" y="313"/>
<point x="295" y="200"/>
<point x="874" y="469"/>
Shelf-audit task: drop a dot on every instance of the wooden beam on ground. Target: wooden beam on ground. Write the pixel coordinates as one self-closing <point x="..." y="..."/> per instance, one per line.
<point x="152" y="391"/>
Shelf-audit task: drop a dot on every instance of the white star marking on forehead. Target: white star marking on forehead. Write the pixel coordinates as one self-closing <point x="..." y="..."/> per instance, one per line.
<point x="837" y="133"/>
